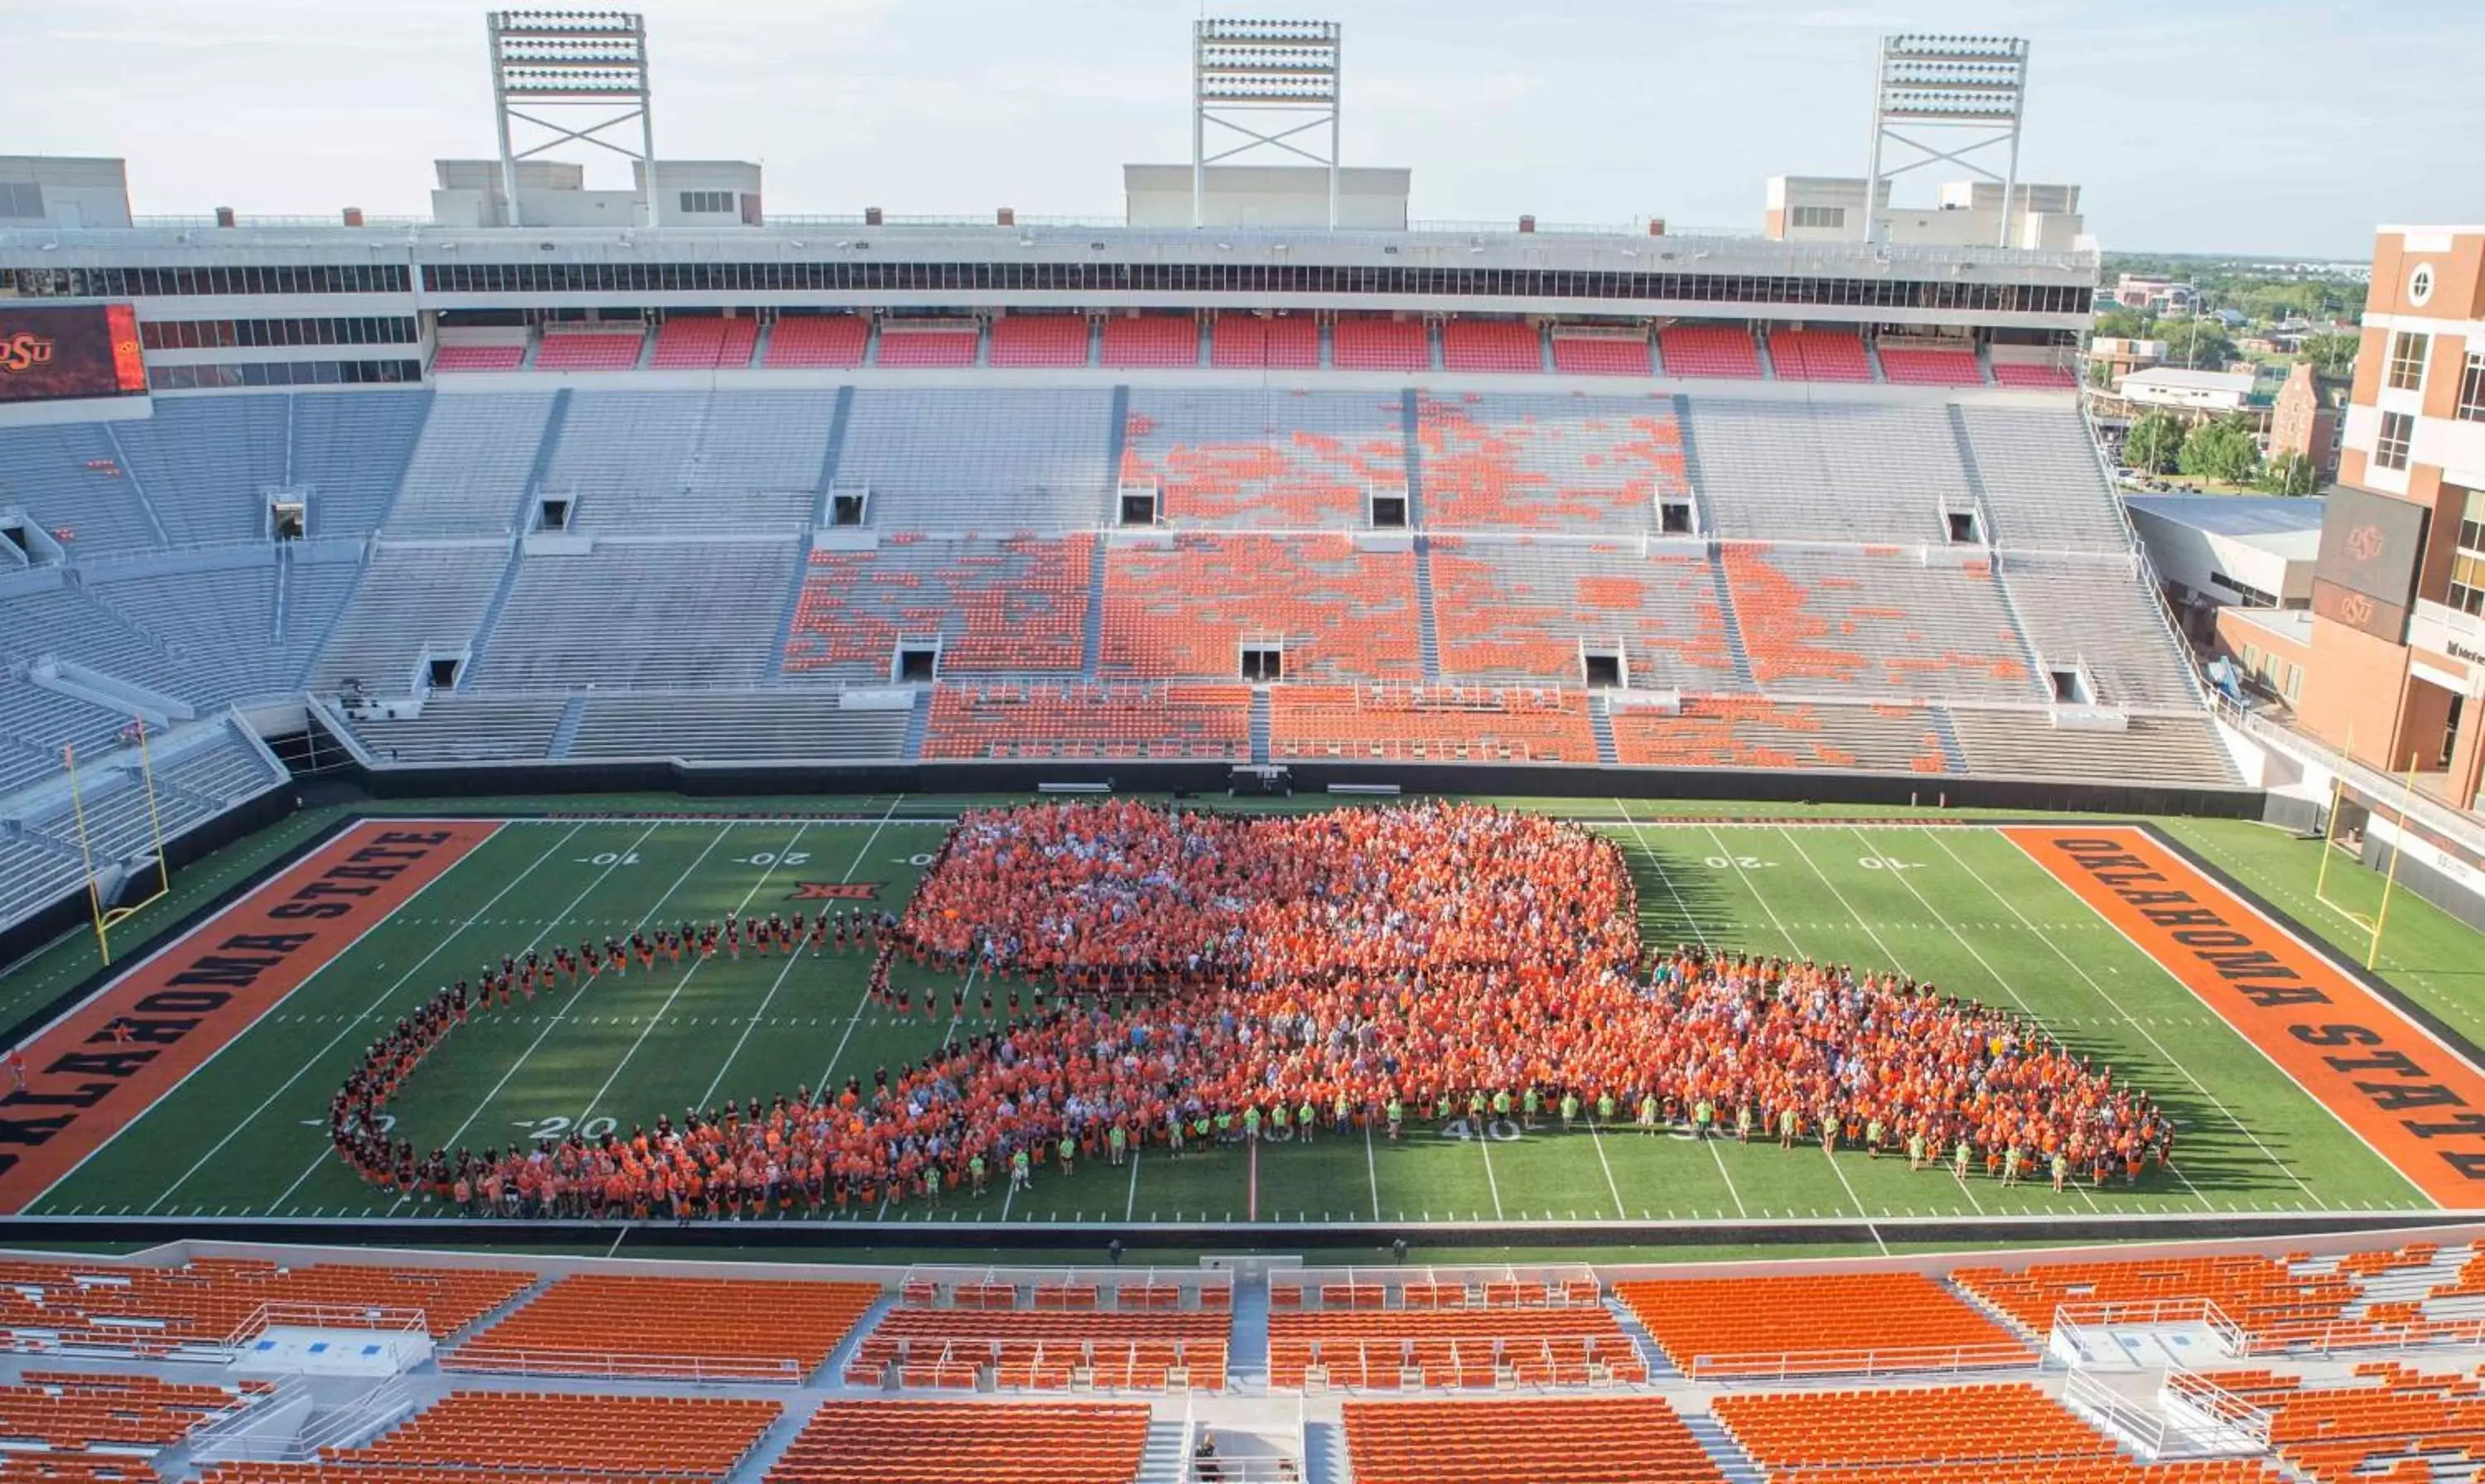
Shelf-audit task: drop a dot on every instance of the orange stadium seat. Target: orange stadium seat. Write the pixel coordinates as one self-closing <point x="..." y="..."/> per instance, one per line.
<point x="1818" y="1325"/>
<point x="663" y="1436"/>
<point x="966" y="1442"/>
<point x="1544" y="469"/>
<point x="1579" y="354"/>
<point x="590" y="350"/>
<point x="155" y="1310"/>
<point x="478" y="358"/>
<point x="1917" y="368"/>
<point x="1013" y="604"/>
<point x="1090" y="721"/>
<point x="2278" y="1303"/>
<point x="78" y="1419"/>
<point x="1288" y="343"/>
<point x="1371" y="342"/>
<point x="1819" y="354"/>
<point x="1045" y="1348"/>
<point x="2389" y="1423"/>
<point x="426" y="1474"/>
<point x="2020" y="374"/>
<point x="1039" y="340"/>
<point x="1723" y="351"/>
<point x="1636" y="1440"/>
<point x="1369" y="1348"/>
<point x="1185" y="607"/>
<point x="1463" y="724"/>
<point x="939" y="343"/>
<point x="1144" y="342"/>
<point x="704" y="342"/>
<point x="1503" y="345"/>
<point x="817" y="342"/>
<point x="701" y="1328"/>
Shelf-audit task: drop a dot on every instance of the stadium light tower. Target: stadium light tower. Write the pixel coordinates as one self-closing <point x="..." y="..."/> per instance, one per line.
<point x="573" y="74"/>
<point x="1251" y="77"/>
<point x="1935" y="90"/>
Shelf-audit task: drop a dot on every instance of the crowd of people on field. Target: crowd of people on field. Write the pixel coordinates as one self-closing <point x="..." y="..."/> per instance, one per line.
<point x="1177" y="978"/>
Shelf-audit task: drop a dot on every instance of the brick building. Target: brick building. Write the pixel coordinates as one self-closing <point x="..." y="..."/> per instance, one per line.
<point x="2397" y="653"/>
<point x="2304" y="420"/>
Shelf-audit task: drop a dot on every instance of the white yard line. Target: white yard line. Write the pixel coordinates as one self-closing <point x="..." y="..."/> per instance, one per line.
<point x="552" y="1020"/>
<point x="1657" y="864"/>
<point x="1484" y="1140"/>
<point x="1859" y="1204"/>
<point x="2155" y="1044"/>
<point x="1130" y="1205"/>
<point x="1753" y="887"/>
<point x="1597" y="1136"/>
<point x="1372" y="1169"/>
<point x="1728" y="1179"/>
<point x="437" y="949"/>
<point x="1990" y="971"/>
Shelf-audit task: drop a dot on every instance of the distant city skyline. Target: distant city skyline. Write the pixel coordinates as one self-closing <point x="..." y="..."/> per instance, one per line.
<point x="2285" y="131"/>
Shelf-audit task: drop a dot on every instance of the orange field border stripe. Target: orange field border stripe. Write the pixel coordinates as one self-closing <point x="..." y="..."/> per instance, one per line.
<point x="2416" y="1100"/>
<point x="92" y="1071"/>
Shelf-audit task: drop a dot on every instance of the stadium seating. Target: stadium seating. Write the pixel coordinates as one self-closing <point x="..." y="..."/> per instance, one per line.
<point x="703" y="1329"/>
<point x="1493" y="345"/>
<point x="1039" y="340"/>
<point x="2277" y="1303"/>
<point x="478" y="358"/>
<point x="1005" y="721"/>
<point x="71" y="480"/>
<point x="1827" y="472"/>
<point x="458" y="728"/>
<point x="1017" y="604"/>
<point x="203" y="462"/>
<point x="920" y="1346"/>
<point x="35" y="723"/>
<point x="1572" y="464"/>
<point x="469" y="468"/>
<point x="631" y="460"/>
<point x="590" y="350"/>
<point x="1580" y="353"/>
<point x="1367" y="1349"/>
<point x="1754" y="732"/>
<point x="1741" y="1328"/>
<point x="2023" y="376"/>
<point x="1148" y="343"/>
<point x="412" y="598"/>
<point x="1268" y="460"/>
<point x="999" y="461"/>
<point x="60" y="1415"/>
<point x="1819" y="354"/>
<point x="1368" y="342"/>
<point x="2090" y="613"/>
<point x="927" y="343"/>
<point x="2387" y="1422"/>
<point x="763" y="726"/>
<point x="1184" y="607"/>
<point x="698" y="614"/>
<point x="703" y="343"/>
<point x="153" y="1311"/>
<point x="1952" y="1435"/>
<point x="828" y="343"/>
<point x="2042" y="485"/>
<point x="1288" y="343"/>
<point x="2173" y="751"/>
<point x="1636" y="1440"/>
<point x="1919" y="367"/>
<point x="1875" y="622"/>
<point x="661" y="1437"/>
<point x="966" y="1442"/>
<point x="1312" y="722"/>
<point x="1524" y="609"/>
<point x="1722" y="351"/>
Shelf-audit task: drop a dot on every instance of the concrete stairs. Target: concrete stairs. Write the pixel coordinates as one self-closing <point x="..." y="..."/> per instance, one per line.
<point x="1162" y="1458"/>
<point x="567" y="732"/>
<point x="919" y="721"/>
<point x="1427" y="630"/>
<point x="1600" y="722"/>
<point x="1325" y="1460"/>
<point x="1738" y="1466"/>
<point x="1261" y="723"/>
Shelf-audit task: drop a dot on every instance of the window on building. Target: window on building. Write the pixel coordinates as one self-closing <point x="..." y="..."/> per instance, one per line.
<point x="22" y="198"/>
<point x="2392" y="451"/>
<point x="2408" y="353"/>
<point x="2471" y="522"/>
<point x="2467" y="583"/>
<point x="1817" y="216"/>
<point x="708" y="201"/>
<point x="2471" y="391"/>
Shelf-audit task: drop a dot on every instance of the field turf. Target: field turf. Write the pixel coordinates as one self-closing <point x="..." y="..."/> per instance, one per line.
<point x="1961" y="907"/>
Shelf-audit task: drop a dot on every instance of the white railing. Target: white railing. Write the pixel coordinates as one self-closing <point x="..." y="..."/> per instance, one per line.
<point x="258" y="1433"/>
<point x="2112" y="1412"/>
<point x="2223" y="1410"/>
<point x="1914" y="1360"/>
<point x="624" y="1366"/>
<point x="326" y="1316"/>
<point x="2075" y="1319"/>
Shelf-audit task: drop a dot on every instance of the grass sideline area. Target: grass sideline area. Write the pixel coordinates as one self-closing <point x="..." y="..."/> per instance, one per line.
<point x="1962" y="908"/>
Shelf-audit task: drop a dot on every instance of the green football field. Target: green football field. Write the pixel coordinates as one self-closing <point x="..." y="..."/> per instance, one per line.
<point x="1957" y="905"/>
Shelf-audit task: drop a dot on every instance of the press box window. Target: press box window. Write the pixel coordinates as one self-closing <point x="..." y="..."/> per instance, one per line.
<point x="1817" y="216"/>
<point x="712" y="202"/>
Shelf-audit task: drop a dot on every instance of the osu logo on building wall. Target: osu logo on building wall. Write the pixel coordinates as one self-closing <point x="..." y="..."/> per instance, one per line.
<point x="24" y="351"/>
<point x="2364" y="543"/>
<point x="2356" y="609"/>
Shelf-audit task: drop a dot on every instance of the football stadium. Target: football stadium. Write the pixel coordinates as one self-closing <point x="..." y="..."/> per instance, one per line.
<point x="648" y="842"/>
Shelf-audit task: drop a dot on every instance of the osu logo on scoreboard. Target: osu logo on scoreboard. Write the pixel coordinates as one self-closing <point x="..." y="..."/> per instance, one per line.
<point x="2356" y="609"/>
<point x="2364" y="543"/>
<point x="24" y="351"/>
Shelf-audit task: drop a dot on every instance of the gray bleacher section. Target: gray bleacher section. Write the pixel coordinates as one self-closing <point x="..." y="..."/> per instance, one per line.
<point x="636" y="459"/>
<point x="2042" y="485"/>
<point x="1000" y="460"/>
<point x="1212" y="452"/>
<point x="938" y="587"/>
<point x="1930" y="631"/>
<point x="33" y="724"/>
<point x="467" y="729"/>
<point x="1534" y="606"/>
<point x="2175" y="751"/>
<point x="216" y="625"/>
<point x="1826" y="472"/>
<point x="2095" y="611"/>
<point x="412" y="596"/>
<point x="65" y="622"/>
<point x="68" y="478"/>
<point x="737" y="728"/>
<point x="350" y="451"/>
<point x="640" y="616"/>
<point x="470" y="466"/>
<point x="203" y="462"/>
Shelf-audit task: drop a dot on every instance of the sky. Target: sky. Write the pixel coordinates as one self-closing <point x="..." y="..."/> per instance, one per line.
<point x="2209" y="126"/>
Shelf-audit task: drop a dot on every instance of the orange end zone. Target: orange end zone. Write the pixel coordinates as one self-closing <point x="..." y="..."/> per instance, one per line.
<point x="92" y="1071"/>
<point x="2418" y="1103"/>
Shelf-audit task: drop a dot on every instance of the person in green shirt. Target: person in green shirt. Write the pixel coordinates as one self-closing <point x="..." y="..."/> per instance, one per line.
<point x="1569" y="1110"/>
<point x="1305" y="1117"/>
<point x="1916" y="1151"/>
<point x="1872" y="1135"/>
<point x="1501" y="1106"/>
<point x="1281" y="1118"/>
<point x="1530" y="1105"/>
<point x="1475" y="1108"/>
<point x="1647" y="1113"/>
<point x="1225" y="1123"/>
<point x="2062" y="1171"/>
<point x="1340" y="1111"/>
<point x="1021" y="1170"/>
<point x="1119" y="1142"/>
<point x="1251" y="1122"/>
<point x="1068" y="1151"/>
<point x="1605" y="1109"/>
<point x="1789" y="1123"/>
<point x="975" y="1173"/>
<point x="1173" y="1133"/>
<point x="1960" y="1157"/>
<point x="1441" y="1108"/>
<point x="1396" y="1115"/>
<point x="1704" y="1117"/>
<point x="1743" y="1122"/>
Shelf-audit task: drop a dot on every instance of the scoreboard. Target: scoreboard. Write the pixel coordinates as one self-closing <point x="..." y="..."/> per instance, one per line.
<point x="48" y="352"/>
